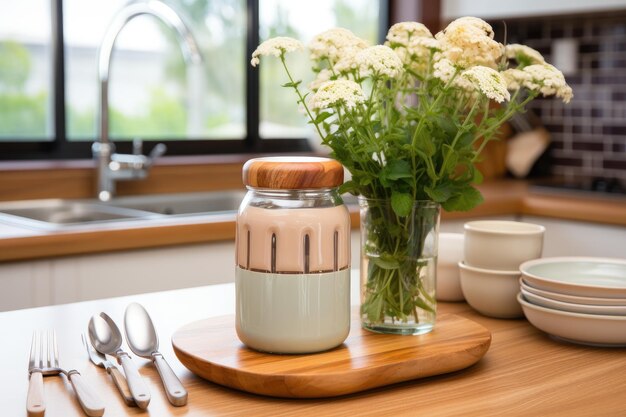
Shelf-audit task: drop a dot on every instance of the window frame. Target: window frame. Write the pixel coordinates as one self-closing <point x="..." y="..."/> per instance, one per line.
<point x="61" y="148"/>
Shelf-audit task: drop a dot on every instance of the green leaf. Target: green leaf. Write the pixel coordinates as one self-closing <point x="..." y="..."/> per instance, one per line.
<point x="321" y="117"/>
<point x="468" y="198"/>
<point x="424" y="143"/>
<point x="465" y="139"/>
<point x="478" y="176"/>
<point x="293" y="84"/>
<point x="388" y="263"/>
<point x="394" y="170"/>
<point x="450" y="161"/>
<point x="422" y="304"/>
<point x="348" y="187"/>
<point x="441" y="193"/>
<point x="401" y="203"/>
<point x="447" y="125"/>
<point x="430" y="168"/>
<point x="373" y="307"/>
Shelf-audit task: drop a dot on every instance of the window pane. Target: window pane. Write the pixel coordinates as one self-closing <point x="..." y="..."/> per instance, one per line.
<point x="25" y="71"/>
<point x="152" y="93"/>
<point x="280" y="116"/>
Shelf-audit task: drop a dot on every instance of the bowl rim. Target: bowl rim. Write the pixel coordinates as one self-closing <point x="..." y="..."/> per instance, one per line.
<point x="525" y="303"/>
<point x="565" y="304"/>
<point x="463" y="265"/>
<point x="474" y="226"/>
<point x="579" y="298"/>
<point x="560" y="259"/>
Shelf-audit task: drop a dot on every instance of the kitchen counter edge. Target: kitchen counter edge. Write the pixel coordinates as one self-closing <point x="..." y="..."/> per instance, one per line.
<point x="503" y="197"/>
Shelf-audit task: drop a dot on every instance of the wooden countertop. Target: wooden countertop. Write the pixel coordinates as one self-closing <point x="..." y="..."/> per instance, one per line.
<point x="524" y="373"/>
<point x="502" y="197"/>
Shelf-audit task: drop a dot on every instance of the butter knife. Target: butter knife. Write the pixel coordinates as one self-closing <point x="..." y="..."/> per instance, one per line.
<point x="100" y="360"/>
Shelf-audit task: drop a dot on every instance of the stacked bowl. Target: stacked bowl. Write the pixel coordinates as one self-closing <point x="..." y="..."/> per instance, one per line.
<point x="493" y="252"/>
<point x="448" y="279"/>
<point x="579" y="299"/>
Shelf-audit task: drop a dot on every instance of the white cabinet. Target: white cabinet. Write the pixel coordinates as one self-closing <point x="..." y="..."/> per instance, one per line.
<point x="78" y="278"/>
<point x="570" y="238"/>
<point x="24" y="284"/>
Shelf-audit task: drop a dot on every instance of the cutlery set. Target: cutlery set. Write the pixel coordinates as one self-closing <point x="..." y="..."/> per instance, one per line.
<point x="104" y="338"/>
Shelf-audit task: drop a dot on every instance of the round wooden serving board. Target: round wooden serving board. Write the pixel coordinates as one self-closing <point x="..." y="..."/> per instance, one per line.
<point x="210" y="348"/>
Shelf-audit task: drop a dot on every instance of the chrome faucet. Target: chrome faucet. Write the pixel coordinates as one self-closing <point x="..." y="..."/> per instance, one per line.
<point x="111" y="166"/>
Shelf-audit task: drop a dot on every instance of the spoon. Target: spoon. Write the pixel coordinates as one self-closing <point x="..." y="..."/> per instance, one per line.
<point x="143" y="341"/>
<point x="107" y="339"/>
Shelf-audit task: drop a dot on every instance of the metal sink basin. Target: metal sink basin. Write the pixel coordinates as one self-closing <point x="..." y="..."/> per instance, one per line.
<point x="184" y="204"/>
<point x="59" y="214"/>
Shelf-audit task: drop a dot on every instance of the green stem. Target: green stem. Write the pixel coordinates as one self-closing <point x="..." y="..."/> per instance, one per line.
<point x="459" y="133"/>
<point x="510" y="111"/>
<point x="301" y="98"/>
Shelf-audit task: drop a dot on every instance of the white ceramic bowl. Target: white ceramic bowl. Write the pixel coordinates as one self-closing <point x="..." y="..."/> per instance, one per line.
<point x="589" y="329"/>
<point x="492" y="293"/>
<point x="571" y="307"/>
<point x="448" y="258"/>
<point x="501" y="244"/>
<point x="593" y="301"/>
<point x="579" y="276"/>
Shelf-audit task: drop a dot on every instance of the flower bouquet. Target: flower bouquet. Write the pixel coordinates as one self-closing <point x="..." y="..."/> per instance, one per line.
<point x="409" y="119"/>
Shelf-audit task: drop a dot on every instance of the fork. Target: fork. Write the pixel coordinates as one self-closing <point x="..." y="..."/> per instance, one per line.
<point x="35" y="403"/>
<point x="100" y="360"/>
<point x="44" y="344"/>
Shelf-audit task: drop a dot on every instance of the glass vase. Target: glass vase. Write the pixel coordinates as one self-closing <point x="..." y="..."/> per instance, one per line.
<point x="398" y="267"/>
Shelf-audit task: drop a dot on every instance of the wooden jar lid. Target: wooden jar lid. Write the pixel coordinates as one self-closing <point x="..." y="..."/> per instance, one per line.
<point x="292" y="173"/>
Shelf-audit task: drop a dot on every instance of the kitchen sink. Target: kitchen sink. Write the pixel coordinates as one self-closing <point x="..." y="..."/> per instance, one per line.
<point x="60" y="214"/>
<point x="183" y="204"/>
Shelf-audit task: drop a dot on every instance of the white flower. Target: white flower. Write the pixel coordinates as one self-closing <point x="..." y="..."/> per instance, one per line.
<point x="468" y="41"/>
<point x="413" y="43"/>
<point x="334" y="44"/>
<point x="333" y="93"/>
<point x="523" y="54"/>
<point x="488" y="81"/>
<point x="444" y="70"/>
<point x="416" y="55"/>
<point x="547" y="80"/>
<point x="429" y="43"/>
<point x="474" y="22"/>
<point x="378" y="60"/>
<point x="402" y="33"/>
<point x="347" y="62"/>
<point x="515" y="78"/>
<point x="323" y="76"/>
<point x="275" y="47"/>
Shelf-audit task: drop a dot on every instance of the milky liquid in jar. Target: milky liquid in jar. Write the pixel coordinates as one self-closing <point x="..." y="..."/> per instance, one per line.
<point x="292" y="256"/>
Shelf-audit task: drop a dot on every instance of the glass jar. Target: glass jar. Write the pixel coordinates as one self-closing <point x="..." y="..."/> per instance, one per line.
<point x="293" y="256"/>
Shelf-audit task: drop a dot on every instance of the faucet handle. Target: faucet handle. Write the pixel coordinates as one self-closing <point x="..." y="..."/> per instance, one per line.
<point x="157" y="151"/>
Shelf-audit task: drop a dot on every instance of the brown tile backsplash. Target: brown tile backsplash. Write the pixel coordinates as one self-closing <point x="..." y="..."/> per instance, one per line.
<point x="589" y="134"/>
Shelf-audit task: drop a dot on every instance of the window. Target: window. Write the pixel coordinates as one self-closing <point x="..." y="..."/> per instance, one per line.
<point x="49" y="94"/>
<point x="279" y="115"/>
<point x="25" y="71"/>
<point x="152" y="93"/>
